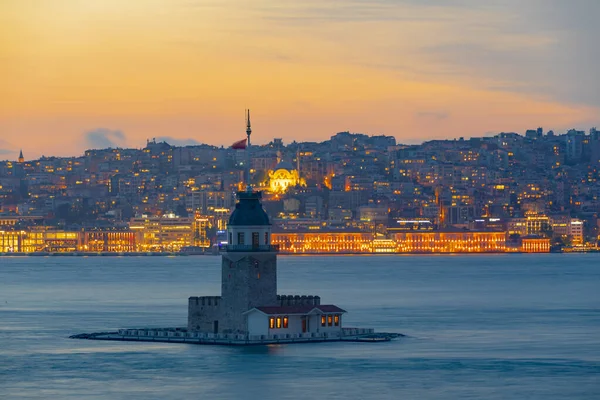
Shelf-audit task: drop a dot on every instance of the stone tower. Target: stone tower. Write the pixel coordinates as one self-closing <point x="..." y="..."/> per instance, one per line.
<point x="249" y="263"/>
<point x="248" y="266"/>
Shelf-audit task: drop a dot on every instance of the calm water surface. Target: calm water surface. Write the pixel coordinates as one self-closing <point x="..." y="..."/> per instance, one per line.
<point x="480" y="327"/>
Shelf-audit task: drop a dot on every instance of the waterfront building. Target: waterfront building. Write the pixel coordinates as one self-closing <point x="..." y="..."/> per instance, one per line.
<point x="382" y="245"/>
<point x="517" y="226"/>
<point x="163" y="233"/>
<point x="13" y="242"/>
<point x="55" y="241"/>
<point x="576" y="231"/>
<point x="323" y="241"/>
<point x="58" y="241"/>
<point x="450" y="242"/>
<point x="568" y="229"/>
<point x="532" y="224"/>
<point x="534" y="244"/>
<point x="201" y="226"/>
<point x="113" y="241"/>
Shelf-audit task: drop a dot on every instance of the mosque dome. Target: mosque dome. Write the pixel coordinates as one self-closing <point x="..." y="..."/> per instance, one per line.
<point x="249" y="211"/>
<point x="284" y="165"/>
<point x="284" y="176"/>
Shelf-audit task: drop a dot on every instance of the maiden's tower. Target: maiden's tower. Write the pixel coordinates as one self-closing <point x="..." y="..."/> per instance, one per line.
<point x="249" y="310"/>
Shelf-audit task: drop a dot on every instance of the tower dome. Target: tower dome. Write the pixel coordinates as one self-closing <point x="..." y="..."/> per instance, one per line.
<point x="249" y="211"/>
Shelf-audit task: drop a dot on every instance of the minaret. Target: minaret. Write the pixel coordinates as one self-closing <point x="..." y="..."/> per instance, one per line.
<point x="298" y="160"/>
<point x="21" y="158"/>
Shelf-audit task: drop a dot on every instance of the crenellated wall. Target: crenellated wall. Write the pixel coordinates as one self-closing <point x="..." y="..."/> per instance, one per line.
<point x="296" y="300"/>
<point x="203" y="311"/>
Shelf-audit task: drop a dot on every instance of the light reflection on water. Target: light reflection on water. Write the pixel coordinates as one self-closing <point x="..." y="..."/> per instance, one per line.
<point x="494" y="327"/>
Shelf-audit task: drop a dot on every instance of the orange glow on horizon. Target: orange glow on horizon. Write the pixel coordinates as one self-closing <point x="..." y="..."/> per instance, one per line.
<point x="185" y="69"/>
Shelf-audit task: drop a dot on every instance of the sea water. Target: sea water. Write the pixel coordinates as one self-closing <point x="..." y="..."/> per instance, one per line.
<point x="480" y="327"/>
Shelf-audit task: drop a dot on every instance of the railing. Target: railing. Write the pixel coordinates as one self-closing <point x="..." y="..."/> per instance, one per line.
<point x="249" y="247"/>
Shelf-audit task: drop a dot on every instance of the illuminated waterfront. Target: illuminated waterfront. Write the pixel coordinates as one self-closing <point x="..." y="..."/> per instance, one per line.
<point x="480" y="326"/>
<point x="172" y="237"/>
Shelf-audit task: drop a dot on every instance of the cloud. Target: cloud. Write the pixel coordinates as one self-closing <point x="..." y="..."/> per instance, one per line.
<point x="432" y="115"/>
<point x="102" y="138"/>
<point x="545" y="49"/>
<point x="178" y="142"/>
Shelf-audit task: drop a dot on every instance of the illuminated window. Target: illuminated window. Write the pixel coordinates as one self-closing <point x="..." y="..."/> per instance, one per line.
<point x="336" y="320"/>
<point x="285" y="322"/>
<point x="330" y="320"/>
<point x="278" y="322"/>
<point x="271" y="323"/>
<point x="323" y="321"/>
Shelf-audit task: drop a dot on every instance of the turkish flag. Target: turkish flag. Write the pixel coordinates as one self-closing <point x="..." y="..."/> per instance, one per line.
<point x="239" y="145"/>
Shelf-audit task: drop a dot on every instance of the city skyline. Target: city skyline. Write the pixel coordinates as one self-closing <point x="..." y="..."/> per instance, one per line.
<point x="352" y="193"/>
<point x="94" y="73"/>
<point x="103" y="142"/>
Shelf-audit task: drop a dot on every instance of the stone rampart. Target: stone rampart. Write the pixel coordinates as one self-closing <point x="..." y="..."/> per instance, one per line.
<point x="297" y="300"/>
<point x="203" y="311"/>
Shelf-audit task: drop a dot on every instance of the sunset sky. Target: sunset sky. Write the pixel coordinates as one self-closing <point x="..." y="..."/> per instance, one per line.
<point x="78" y="74"/>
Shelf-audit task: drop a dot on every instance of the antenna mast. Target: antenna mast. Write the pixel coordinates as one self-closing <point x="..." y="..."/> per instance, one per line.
<point x="248" y="133"/>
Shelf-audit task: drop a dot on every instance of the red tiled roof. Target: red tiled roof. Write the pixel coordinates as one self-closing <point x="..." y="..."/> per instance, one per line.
<point x="325" y="308"/>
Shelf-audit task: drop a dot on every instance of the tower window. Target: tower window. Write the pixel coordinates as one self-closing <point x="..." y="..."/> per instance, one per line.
<point x="336" y="320"/>
<point x="272" y="323"/>
<point x="240" y="238"/>
<point x="323" y="320"/>
<point x="285" y="322"/>
<point x="278" y="322"/>
<point x="267" y="238"/>
<point x="230" y="238"/>
<point x="330" y="320"/>
<point x="255" y="239"/>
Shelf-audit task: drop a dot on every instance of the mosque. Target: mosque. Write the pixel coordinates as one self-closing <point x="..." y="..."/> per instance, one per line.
<point x="284" y="176"/>
<point x="249" y="310"/>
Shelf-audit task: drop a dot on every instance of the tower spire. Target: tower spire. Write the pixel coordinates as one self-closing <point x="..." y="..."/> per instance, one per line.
<point x="248" y="133"/>
<point x="21" y="158"/>
<point x="248" y="128"/>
